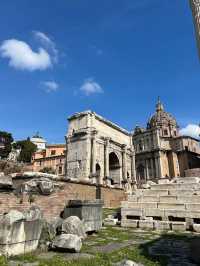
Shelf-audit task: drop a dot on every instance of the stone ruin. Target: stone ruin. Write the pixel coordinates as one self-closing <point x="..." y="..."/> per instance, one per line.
<point x="20" y="232"/>
<point x="24" y="232"/>
<point x="168" y="205"/>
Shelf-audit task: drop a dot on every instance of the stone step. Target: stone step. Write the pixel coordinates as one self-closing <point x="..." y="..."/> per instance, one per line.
<point x="173" y="206"/>
<point x="139" y="205"/>
<point x="150" y="192"/>
<point x="183" y="192"/>
<point x="175" y="186"/>
<point x="189" y="199"/>
<point x="187" y="180"/>
<point x="132" y="198"/>
<point x="164" y="214"/>
<point x="144" y="199"/>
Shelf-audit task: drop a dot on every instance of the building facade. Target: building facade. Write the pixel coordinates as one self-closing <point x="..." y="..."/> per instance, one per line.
<point x="99" y="150"/>
<point x="161" y="151"/>
<point x="39" y="141"/>
<point x="52" y="157"/>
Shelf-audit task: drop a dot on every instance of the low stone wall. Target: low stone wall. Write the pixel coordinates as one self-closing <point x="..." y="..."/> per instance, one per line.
<point x="192" y="172"/>
<point x="54" y="204"/>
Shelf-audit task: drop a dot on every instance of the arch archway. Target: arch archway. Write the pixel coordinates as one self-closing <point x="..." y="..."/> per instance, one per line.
<point x="114" y="168"/>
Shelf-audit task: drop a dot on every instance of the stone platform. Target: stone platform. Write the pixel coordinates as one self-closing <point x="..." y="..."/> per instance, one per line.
<point x="174" y="205"/>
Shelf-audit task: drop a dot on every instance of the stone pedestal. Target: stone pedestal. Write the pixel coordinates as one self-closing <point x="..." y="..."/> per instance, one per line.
<point x="90" y="212"/>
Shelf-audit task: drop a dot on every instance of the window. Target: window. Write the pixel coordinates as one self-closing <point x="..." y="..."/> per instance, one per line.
<point x="53" y="152"/>
<point x="165" y="132"/>
<point x="60" y="170"/>
<point x="174" y="133"/>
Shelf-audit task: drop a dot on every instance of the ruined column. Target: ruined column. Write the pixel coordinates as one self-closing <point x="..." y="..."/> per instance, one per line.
<point x="152" y="168"/>
<point x="106" y="167"/>
<point x="124" y="164"/>
<point x="195" y="6"/>
<point x="94" y="152"/>
<point x="157" y="168"/>
<point x="160" y="165"/>
<point x="133" y="165"/>
<point x="147" y="169"/>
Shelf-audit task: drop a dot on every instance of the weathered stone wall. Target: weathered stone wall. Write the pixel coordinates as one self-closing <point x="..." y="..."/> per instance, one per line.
<point x="54" y="204"/>
<point x="192" y="172"/>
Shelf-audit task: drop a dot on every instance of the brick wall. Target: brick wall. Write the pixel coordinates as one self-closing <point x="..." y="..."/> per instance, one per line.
<point x="193" y="172"/>
<point x="53" y="204"/>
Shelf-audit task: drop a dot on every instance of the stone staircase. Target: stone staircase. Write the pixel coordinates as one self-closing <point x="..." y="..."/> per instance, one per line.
<point x="172" y="205"/>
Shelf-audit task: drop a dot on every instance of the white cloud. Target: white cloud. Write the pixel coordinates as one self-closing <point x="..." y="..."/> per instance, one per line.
<point x="22" y="57"/>
<point x="47" y="42"/>
<point x="90" y="87"/>
<point x="51" y="86"/>
<point x="191" y="130"/>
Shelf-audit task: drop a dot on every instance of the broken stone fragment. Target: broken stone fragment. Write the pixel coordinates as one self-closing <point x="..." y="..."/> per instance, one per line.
<point x="20" y="232"/>
<point x="73" y="225"/>
<point x="6" y="182"/>
<point x="67" y="242"/>
<point x="46" y="186"/>
<point x="127" y="263"/>
<point x="55" y="226"/>
<point x="43" y="186"/>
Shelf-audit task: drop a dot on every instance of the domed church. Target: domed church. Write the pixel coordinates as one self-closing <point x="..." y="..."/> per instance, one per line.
<point x="160" y="150"/>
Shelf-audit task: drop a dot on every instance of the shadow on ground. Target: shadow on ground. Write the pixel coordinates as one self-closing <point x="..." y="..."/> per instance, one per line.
<point x="173" y="249"/>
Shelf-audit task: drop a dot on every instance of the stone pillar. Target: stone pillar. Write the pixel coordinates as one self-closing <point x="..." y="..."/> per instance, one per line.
<point x="157" y="138"/>
<point x="152" y="168"/>
<point x="94" y="152"/>
<point x="147" y="169"/>
<point x="106" y="166"/>
<point x="133" y="170"/>
<point x="157" y="168"/>
<point x="124" y="164"/>
<point x="160" y="166"/>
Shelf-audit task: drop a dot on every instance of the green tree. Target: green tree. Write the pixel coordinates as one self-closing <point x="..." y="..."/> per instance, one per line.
<point x="27" y="150"/>
<point x="6" y="139"/>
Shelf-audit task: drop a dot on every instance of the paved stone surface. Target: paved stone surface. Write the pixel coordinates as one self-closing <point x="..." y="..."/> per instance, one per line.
<point x="66" y="256"/>
<point x="17" y="263"/>
<point x="113" y="246"/>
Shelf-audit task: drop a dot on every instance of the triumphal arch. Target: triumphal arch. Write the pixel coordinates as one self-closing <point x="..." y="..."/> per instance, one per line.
<point x="99" y="150"/>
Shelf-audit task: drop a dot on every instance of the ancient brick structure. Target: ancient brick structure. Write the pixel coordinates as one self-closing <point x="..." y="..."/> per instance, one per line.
<point x="54" y="204"/>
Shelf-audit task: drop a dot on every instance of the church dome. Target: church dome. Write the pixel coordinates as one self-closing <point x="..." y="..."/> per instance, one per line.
<point x="161" y="118"/>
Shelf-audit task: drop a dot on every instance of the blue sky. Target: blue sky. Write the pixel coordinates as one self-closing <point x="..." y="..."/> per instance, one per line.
<point x="111" y="56"/>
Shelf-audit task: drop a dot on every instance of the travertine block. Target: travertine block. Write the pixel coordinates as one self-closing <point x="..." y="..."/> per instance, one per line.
<point x="148" y="199"/>
<point x="129" y="223"/>
<point x="196" y="228"/>
<point x="182" y="192"/>
<point x="168" y="199"/>
<point x="171" y="206"/>
<point x="147" y="205"/>
<point x="193" y="207"/>
<point x="156" y="192"/>
<point x="131" y="212"/>
<point x="154" y="212"/>
<point x="146" y="224"/>
<point x="162" y="225"/>
<point x="176" y="213"/>
<point x="132" y="198"/>
<point x="178" y="226"/>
